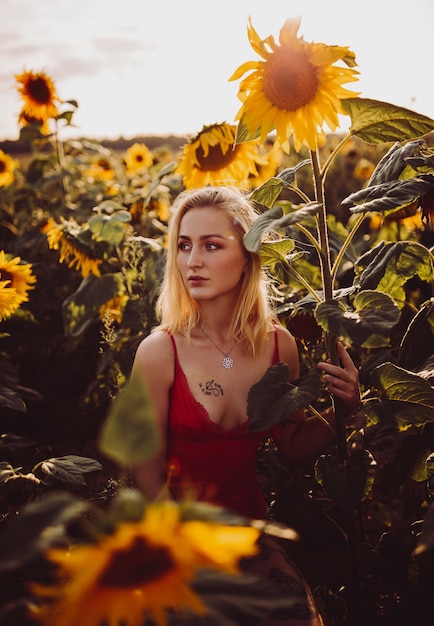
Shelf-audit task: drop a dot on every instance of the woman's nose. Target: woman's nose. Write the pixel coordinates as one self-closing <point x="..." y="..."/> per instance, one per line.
<point x="195" y="258"/>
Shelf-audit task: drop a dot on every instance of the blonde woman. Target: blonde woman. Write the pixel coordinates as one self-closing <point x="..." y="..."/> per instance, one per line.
<point x="218" y="335"/>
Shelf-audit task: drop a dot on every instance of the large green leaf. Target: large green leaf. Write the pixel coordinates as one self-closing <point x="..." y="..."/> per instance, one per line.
<point x="389" y="196"/>
<point x="130" y="434"/>
<point x="408" y="396"/>
<point x="274" y="397"/>
<point x="390" y="265"/>
<point x="83" y="306"/>
<point x="368" y="324"/>
<point x="346" y="484"/>
<point x="274" y="252"/>
<point x="275" y="219"/>
<point x="378" y="122"/>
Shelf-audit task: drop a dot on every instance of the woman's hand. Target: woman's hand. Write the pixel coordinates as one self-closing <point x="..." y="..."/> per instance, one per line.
<point x="343" y="381"/>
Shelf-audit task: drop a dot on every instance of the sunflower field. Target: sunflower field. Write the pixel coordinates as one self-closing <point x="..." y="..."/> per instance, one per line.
<point x="346" y="233"/>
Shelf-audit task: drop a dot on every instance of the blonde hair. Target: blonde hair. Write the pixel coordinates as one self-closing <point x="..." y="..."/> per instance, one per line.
<point x="177" y="311"/>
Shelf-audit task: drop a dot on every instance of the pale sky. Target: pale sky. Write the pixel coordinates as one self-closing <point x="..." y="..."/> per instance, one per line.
<point x="142" y="67"/>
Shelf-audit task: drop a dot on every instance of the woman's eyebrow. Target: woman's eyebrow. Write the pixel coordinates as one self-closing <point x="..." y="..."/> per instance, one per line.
<point x="202" y="237"/>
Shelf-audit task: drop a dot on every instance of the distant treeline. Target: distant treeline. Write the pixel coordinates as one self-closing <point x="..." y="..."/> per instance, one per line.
<point x="152" y="141"/>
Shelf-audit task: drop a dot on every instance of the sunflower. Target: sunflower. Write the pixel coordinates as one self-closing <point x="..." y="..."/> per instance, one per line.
<point x="142" y="570"/>
<point x="273" y="156"/>
<point x="138" y="158"/>
<point x="7" y="167"/>
<point x="100" y="169"/>
<point x="296" y="89"/>
<point x="9" y="299"/>
<point x="39" y="95"/>
<point x="212" y="158"/>
<point x="71" y="251"/>
<point x="19" y="274"/>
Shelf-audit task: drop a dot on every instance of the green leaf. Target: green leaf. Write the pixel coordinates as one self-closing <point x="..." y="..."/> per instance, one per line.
<point x="273" y="399"/>
<point x="82" y="307"/>
<point x="109" y="228"/>
<point x="346" y="485"/>
<point x="130" y="434"/>
<point x="411" y="397"/>
<point x="267" y="193"/>
<point x="276" y="251"/>
<point x="391" y="195"/>
<point x="66" y="470"/>
<point x="378" y="122"/>
<point x="274" y="219"/>
<point x="389" y="266"/>
<point x="368" y="325"/>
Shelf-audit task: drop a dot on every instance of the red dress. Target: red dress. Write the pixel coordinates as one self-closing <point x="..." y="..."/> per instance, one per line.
<point x="207" y="462"/>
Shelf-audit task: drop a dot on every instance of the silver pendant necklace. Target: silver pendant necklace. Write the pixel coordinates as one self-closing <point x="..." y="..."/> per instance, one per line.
<point x="228" y="361"/>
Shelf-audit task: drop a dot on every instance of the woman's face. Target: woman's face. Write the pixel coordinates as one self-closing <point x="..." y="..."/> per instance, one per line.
<point x="210" y="257"/>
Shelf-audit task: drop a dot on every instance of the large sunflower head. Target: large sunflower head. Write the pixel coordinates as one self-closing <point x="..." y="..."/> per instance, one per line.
<point x="141" y="570"/>
<point x="212" y="158"/>
<point x="19" y="274"/>
<point x="296" y="89"/>
<point x="138" y="158"/>
<point x="7" y="167"/>
<point x="39" y="95"/>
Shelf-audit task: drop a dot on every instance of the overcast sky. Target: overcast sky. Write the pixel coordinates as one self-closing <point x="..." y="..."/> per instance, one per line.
<point x="142" y="67"/>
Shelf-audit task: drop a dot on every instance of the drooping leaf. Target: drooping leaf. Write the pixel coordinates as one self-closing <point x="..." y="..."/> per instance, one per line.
<point x="390" y="265"/>
<point x="391" y="195"/>
<point x="83" y="306"/>
<point x="379" y="122"/>
<point x="66" y="470"/>
<point x="368" y="324"/>
<point x="38" y="527"/>
<point x="130" y="434"/>
<point x="346" y="484"/>
<point x="410" y="397"/>
<point x="274" y="219"/>
<point x="274" y="397"/>
<point x="395" y="161"/>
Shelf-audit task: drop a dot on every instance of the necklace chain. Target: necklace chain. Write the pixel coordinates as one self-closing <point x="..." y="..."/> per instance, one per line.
<point x="228" y="361"/>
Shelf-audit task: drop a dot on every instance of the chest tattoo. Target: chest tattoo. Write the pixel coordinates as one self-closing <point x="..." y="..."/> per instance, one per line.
<point x="211" y="388"/>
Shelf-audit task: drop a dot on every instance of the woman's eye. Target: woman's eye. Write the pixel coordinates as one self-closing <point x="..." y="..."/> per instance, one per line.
<point x="212" y="246"/>
<point x="183" y="246"/>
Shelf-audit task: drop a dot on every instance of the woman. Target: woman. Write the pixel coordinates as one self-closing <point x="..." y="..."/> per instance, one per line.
<point x="218" y="336"/>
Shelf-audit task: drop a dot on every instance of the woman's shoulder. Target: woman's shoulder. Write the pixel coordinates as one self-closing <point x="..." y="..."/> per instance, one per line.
<point x="288" y="350"/>
<point x="155" y="349"/>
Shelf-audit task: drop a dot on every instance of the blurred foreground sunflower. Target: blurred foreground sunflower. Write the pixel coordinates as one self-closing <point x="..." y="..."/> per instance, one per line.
<point x="18" y="273"/>
<point x="143" y="569"/>
<point x="39" y="95"/>
<point x="211" y="158"/>
<point x="296" y="89"/>
<point x="71" y="250"/>
<point x="7" y="167"/>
